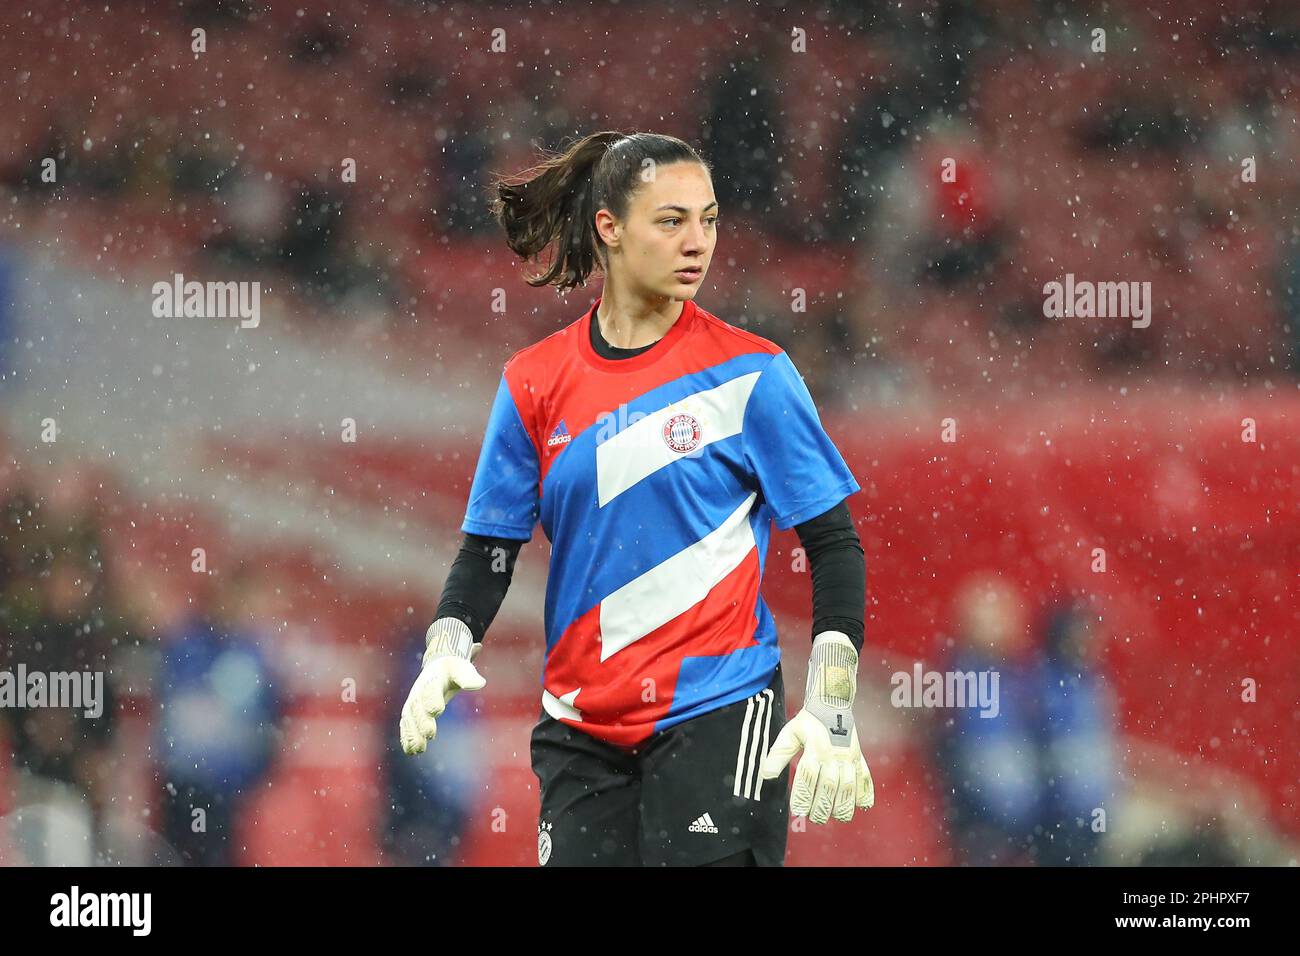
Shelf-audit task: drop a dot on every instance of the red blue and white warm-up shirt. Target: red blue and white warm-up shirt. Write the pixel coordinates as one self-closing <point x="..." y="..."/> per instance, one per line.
<point x="656" y="479"/>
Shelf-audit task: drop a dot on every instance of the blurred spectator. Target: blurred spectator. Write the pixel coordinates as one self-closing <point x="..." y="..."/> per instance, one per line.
<point x="218" y="710"/>
<point x="310" y="244"/>
<point x="1078" y="748"/>
<point x="991" y="764"/>
<point x="57" y="617"/>
<point x="743" y="140"/>
<point x="252" y="215"/>
<point x="1025" y="785"/>
<point x="464" y="156"/>
<point x="69" y="636"/>
<point x="965" y="215"/>
<point x="878" y="130"/>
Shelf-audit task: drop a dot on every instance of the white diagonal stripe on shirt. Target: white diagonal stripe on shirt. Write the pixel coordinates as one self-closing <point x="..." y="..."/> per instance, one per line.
<point x="675" y="585"/>
<point x="640" y="450"/>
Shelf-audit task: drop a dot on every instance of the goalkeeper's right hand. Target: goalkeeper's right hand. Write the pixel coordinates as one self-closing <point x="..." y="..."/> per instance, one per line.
<point x="447" y="671"/>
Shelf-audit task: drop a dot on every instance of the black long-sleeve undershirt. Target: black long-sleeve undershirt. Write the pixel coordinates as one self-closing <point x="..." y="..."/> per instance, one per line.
<point x="839" y="573"/>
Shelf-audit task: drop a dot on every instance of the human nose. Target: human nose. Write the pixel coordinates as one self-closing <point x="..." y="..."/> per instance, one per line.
<point x="697" y="238"/>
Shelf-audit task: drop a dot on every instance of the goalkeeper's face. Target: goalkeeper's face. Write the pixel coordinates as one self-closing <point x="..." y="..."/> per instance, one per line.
<point x="667" y="240"/>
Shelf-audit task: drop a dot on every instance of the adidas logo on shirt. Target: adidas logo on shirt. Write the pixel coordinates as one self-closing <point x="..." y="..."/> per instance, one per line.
<point x="703" y="825"/>
<point x="559" y="436"/>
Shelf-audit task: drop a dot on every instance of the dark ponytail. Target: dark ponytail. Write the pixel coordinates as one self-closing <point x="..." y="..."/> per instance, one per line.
<point x="555" y="202"/>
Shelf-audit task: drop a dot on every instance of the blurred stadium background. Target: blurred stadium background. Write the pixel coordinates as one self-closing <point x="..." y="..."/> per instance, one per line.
<point x="263" y="688"/>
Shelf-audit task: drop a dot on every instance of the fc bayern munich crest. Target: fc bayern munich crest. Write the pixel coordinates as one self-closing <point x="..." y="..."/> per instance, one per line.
<point x="682" y="433"/>
<point x="543" y="842"/>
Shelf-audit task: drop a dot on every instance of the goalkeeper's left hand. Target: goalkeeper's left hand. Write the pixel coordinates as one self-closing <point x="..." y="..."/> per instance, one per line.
<point x="832" y="778"/>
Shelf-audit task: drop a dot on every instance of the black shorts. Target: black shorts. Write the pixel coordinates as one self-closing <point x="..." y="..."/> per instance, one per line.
<point x="688" y="796"/>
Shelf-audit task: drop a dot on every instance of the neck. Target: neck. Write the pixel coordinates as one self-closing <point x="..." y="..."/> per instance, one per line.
<point x="629" y="321"/>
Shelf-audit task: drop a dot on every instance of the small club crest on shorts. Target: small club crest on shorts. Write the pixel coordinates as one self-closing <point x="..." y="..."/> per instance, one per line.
<point x="682" y="433"/>
<point x="543" y="842"/>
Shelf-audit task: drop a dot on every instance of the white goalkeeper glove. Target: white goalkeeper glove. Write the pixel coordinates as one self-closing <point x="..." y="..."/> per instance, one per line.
<point x="832" y="778"/>
<point x="446" y="672"/>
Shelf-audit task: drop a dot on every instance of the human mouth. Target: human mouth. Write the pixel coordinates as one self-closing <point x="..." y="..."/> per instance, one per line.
<point x="689" y="275"/>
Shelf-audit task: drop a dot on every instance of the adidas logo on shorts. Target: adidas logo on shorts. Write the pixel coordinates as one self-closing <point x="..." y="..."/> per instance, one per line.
<point x="703" y="825"/>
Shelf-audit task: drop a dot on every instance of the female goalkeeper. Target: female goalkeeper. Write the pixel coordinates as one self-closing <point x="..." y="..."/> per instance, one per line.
<point x="656" y="444"/>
